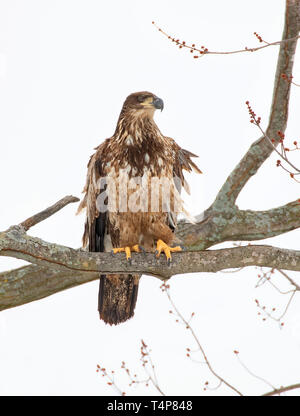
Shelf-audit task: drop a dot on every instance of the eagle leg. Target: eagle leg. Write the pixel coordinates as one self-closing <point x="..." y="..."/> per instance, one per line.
<point x="162" y="246"/>
<point x="127" y="250"/>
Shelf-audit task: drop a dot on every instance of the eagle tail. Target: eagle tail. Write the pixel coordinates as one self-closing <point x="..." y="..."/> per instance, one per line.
<point x="117" y="297"/>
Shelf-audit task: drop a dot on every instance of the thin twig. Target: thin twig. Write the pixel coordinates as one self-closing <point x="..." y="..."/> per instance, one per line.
<point x="146" y="361"/>
<point x="251" y="373"/>
<point x="266" y="277"/>
<point x="146" y="353"/>
<point x="188" y="326"/>
<point x="111" y="380"/>
<point x="256" y="121"/>
<point x="282" y="390"/>
<point x="292" y="282"/>
<point x="204" y="51"/>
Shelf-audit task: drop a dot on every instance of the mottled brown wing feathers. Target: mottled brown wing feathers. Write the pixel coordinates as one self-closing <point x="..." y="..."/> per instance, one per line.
<point x="182" y="162"/>
<point x="117" y="293"/>
<point x="185" y="161"/>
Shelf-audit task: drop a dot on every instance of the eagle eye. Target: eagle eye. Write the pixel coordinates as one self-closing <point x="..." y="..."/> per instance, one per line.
<point x="141" y="98"/>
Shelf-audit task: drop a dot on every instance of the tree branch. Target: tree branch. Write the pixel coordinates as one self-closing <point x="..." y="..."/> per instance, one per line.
<point x="223" y="221"/>
<point x="260" y="150"/>
<point x="59" y="267"/>
<point x="46" y="213"/>
<point x="238" y="225"/>
<point x="204" y="51"/>
<point x="282" y="389"/>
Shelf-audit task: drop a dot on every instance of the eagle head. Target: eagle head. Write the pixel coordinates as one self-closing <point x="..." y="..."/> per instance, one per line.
<point x="142" y="103"/>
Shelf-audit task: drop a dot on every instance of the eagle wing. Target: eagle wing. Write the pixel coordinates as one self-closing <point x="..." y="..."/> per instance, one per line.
<point x="117" y="293"/>
<point x="182" y="162"/>
<point x="96" y="222"/>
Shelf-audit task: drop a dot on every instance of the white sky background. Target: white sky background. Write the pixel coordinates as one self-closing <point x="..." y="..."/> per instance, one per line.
<point x="65" y="69"/>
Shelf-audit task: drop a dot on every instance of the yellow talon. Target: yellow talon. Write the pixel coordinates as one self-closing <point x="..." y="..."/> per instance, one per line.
<point x="128" y="253"/>
<point x="127" y="250"/>
<point x="118" y="250"/>
<point x="136" y="248"/>
<point x="162" y="246"/>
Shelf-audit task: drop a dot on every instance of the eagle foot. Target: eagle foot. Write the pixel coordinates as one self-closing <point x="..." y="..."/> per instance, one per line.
<point x="128" y="251"/>
<point x="162" y="246"/>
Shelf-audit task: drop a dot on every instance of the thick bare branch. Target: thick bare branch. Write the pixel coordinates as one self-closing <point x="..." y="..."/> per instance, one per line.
<point x="261" y="149"/>
<point x="58" y="267"/>
<point x="32" y="282"/>
<point x="46" y="213"/>
<point x="251" y="225"/>
<point x="239" y="225"/>
<point x="223" y="221"/>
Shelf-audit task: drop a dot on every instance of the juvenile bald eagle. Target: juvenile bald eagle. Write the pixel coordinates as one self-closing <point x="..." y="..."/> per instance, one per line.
<point x="132" y="198"/>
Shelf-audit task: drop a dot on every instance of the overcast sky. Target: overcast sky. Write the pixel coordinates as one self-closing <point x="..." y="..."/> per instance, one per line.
<point x="65" y="69"/>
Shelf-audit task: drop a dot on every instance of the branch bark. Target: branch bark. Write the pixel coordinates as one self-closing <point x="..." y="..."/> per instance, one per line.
<point x="215" y="226"/>
<point x="223" y="221"/>
<point x="59" y="267"/>
<point x="46" y="213"/>
<point x="261" y="149"/>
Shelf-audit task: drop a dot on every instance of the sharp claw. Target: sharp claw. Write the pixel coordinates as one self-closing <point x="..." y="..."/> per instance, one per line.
<point x="162" y="246"/>
<point x="129" y="261"/>
<point x="142" y="249"/>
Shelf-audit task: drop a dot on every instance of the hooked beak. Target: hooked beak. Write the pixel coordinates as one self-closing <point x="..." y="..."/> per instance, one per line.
<point x="158" y="103"/>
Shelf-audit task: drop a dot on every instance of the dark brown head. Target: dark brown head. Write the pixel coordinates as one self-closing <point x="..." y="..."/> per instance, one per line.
<point x="141" y="104"/>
